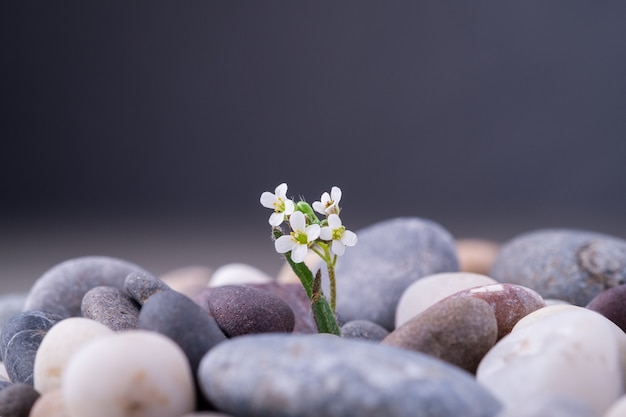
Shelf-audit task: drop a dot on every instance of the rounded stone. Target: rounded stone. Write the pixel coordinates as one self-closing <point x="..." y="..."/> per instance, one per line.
<point x="58" y="346"/>
<point x="20" y="339"/>
<point x="611" y="304"/>
<point x="427" y="291"/>
<point x="363" y="329"/>
<point x="10" y="305"/>
<point x="112" y="307"/>
<point x="563" y="264"/>
<point x="17" y="400"/>
<point x="135" y="373"/>
<point x="476" y="255"/>
<point x="142" y="285"/>
<point x="50" y="404"/>
<point x="188" y="280"/>
<point x="61" y="289"/>
<point x="552" y="406"/>
<point x="241" y="310"/>
<point x="389" y="257"/>
<point x="457" y="330"/>
<point x="238" y="274"/>
<point x="322" y="375"/>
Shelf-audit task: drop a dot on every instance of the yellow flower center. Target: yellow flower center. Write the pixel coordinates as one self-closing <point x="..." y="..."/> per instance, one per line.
<point x="299" y="237"/>
<point x="338" y="233"/>
<point x="279" y="205"/>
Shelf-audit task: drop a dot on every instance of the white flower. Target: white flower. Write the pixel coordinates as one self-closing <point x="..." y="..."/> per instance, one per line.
<point x="279" y="202"/>
<point x="338" y="234"/>
<point x="329" y="203"/>
<point x="299" y="239"/>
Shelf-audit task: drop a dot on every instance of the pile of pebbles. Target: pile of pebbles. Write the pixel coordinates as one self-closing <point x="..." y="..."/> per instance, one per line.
<point x="430" y="326"/>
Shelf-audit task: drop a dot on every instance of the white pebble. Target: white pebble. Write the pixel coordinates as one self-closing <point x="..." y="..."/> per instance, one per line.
<point x="237" y="273"/>
<point x="61" y="342"/>
<point x="132" y="374"/>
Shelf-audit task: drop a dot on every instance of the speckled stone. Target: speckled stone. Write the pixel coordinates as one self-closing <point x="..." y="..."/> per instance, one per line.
<point x="241" y="310"/>
<point x="321" y="375"/>
<point x="363" y="329"/>
<point x="61" y="289"/>
<point x="563" y="264"/>
<point x="457" y="330"/>
<point x="17" y="400"/>
<point x="510" y="303"/>
<point x="389" y="256"/>
<point x="142" y="285"/>
<point x="20" y="339"/>
<point x="611" y="304"/>
<point x="112" y="307"/>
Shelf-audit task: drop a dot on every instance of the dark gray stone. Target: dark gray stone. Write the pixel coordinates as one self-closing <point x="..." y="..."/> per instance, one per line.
<point x="457" y="330"/>
<point x="20" y="339"/>
<point x="61" y="289"/>
<point x="569" y="265"/>
<point x="17" y="400"/>
<point x="363" y="329"/>
<point x="321" y="375"/>
<point x="389" y="256"/>
<point x="112" y="307"/>
<point x="611" y="304"/>
<point x="142" y="285"/>
<point x="240" y="310"/>
<point x="4" y="384"/>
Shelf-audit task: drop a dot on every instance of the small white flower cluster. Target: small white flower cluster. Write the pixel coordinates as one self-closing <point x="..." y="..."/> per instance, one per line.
<point x="308" y="231"/>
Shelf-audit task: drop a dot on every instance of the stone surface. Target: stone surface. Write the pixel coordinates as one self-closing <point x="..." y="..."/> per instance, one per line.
<point x="611" y="304"/>
<point x="139" y="374"/>
<point x="237" y="274"/>
<point x="363" y="329"/>
<point x="322" y="375"/>
<point x="10" y="305"/>
<point x="189" y="280"/>
<point x="476" y="255"/>
<point x="617" y="409"/>
<point x="573" y="354"/>
<point x="563" y="264"/>
<point x="61" y="289"/>
<point x="50" y="404"/>
<point x="428" y="290"/>
<point x="61" y="342"/>
<point x="112" y="307"/>
<point x="550" y="406"/>
<point x="457" y="330"/>
<point x="389" y="257"/>
<point x="510" y="303"/>
<point x="240" y="310"/>
<point x="17" y="400"/>
<point x="142" y="285"/>
<point x="20" y="339"/>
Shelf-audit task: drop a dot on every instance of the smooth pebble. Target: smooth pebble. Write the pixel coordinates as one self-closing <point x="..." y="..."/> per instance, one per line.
<point x="188" y="280"/>
<point x="50" y="404"/>
<point x="112" y="307"/>
<point x="476" y="255"/>
<point x="142" y="285"/>
<point x="17" y="400"/>
<point x="611" y="304"/>
<point x="237" y="274"/>
<point x="363" y="329"/>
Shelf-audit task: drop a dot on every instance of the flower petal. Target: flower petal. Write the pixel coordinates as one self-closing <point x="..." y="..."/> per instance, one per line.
<point x="338" y="247"/>
<point x="325" y="198"/>
<point x="334" y="221"/>
<point x="299" y="253"/>
<point x="326" y="233"/>
<point x="276" y="219"/>
<point x="319" y="207"/>
<point x="268" y="199"/>
<point x="281" y="190"/>
<point x="289" y="207"/>
<point x="335" y="194"/>
<point x="284" y="244"/>
<point x="349" y="238"/>
<point x="312" y="232"/>
<point x="297" y="221"/>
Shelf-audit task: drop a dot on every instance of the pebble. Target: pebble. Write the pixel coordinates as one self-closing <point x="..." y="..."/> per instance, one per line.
<point x="189" y="280"/>
<point x="50" y="404"/>
<point x="457" y="330"/>
<point x="550" y="406"/>
<point x="389" y="257"/>
<point x="129" y="374"/>
<point x="476" y="255"/>
<point x="112" y="307"/>
<point x="427" y="291"/>
<point x="10" y="305"/>
<point x="61" y="342"/>
<point x="510" y="303"/>
<point x="563" y="264"/>
<point x="322" y="375"/>
<point x="363" y="329"/>
<point x="611" y="304"/>
<point x="573" y="354"/>
<point x="617" y="409"/>
<point x="142" y="285"/>
<point x="237" y="274"/>
<point x="61" y="289"/>
<point x="17" y="400"/>
<point x="179" y="318"/>
<point x="241" y="310"/>
<point x="4" y="384"/>
<point x="20" y="339"/>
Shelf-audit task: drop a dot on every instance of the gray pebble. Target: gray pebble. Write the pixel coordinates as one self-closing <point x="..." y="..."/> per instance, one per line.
<point x="61" y="289"/>
<point x="457" y="330"/>
<point x="20" y="339"/>
<point x="321" y="375"/>
<point x="550" y="405"/>
<point x="17" y="400"/>
<point x="240" y="310"/>
<point x="363" y="329"/>
<point x="389" y="256"/>
<point x="111" y="307"/>
<point x="569" y="265"/>
<point x="10" y="305"/>
<point x="142" y="285"/>
<point x="4" y="384"/>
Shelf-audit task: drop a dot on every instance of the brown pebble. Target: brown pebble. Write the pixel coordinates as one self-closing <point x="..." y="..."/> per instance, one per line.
<point x="476" y="255"/>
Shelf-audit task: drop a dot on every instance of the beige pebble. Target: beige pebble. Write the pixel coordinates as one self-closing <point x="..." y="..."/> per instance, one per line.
<point x="286" y="274"/>
<point x="189" y="280"/>
<point x="50" y="404"/>
<point x="617" y="409"/>
<point x="476" y="255"/>
<point x="238" y="273"/>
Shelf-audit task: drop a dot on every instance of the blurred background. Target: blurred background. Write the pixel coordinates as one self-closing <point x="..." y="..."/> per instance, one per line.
<point x="148" y="130"/>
